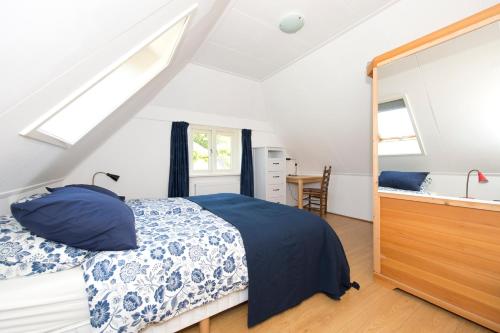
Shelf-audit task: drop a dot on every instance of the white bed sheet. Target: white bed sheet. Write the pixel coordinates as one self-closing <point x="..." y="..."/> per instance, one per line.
<point x="43" y="303"/>
<point x="57" y="302"/>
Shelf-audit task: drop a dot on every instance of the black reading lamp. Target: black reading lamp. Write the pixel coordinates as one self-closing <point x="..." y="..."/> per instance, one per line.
<point x="110" y="175"/>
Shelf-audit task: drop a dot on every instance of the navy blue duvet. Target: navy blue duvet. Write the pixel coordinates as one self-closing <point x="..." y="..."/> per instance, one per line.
<point x="291" y="254"/>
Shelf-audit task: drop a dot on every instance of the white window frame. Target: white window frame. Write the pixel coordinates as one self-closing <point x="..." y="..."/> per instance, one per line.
<point x="409" y="109"/>
<point x="212" y="159"/>
<point x="33" y="130"/>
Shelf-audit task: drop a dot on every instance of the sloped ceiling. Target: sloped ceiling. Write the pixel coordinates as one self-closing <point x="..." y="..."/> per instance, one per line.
<point x="321" y="105"/>
<point x="248" y="42"/>
<point x="51" y="48"/>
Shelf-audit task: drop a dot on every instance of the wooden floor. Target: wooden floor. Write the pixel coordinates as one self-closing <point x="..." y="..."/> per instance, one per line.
<point x="374" y="308"/>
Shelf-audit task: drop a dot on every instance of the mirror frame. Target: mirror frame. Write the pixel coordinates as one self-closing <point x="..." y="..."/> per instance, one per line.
<point x="476" y="21"/>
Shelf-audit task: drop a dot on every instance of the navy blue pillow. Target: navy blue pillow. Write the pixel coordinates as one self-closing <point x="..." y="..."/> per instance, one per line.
<point x="89" y="187"/>
<point x="411" y="181"/>
<point x="80" y="218"/>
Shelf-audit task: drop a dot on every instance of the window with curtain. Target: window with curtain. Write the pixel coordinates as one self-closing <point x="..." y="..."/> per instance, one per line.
<point x="214" y="151"/>
<point x="397" y="130"/>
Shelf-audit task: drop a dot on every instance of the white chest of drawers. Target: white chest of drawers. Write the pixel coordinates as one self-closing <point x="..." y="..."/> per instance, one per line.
<point x="270" y="174"/>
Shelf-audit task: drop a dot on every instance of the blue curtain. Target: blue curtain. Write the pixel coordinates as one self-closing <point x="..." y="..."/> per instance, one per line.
<point x="246" y="178"/>
<point x="178" y="182"/>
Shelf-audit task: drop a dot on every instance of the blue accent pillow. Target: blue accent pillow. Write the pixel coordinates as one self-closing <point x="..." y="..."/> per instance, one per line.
<point x="80" y="218"/>
<point x="410" y="181"/>
<point x="89" y="187"/>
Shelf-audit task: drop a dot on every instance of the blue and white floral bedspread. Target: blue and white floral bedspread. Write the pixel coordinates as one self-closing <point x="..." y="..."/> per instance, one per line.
<point x="22" y="253"/>
<point x="186" y="257"/>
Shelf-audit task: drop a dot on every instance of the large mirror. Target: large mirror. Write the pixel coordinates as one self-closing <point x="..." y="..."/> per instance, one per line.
<point x="439" y="113"/>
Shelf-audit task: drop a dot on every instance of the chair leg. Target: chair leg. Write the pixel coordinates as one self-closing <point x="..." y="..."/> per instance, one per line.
<point x="326" y="204"/>
<point x="309" y="200"/>
<point x="322" y="206"/>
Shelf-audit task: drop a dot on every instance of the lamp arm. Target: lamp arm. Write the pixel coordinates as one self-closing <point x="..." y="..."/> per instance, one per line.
<point x="95" y="174"/>
<point x="467" y="184"/>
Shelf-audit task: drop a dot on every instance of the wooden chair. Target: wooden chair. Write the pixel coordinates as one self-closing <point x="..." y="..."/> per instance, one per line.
<point x="317" y="198"/>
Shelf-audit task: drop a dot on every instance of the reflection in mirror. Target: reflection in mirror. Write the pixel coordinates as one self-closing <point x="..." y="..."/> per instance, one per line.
<point x="396" y="129"/>
<point x="439" y="112"/>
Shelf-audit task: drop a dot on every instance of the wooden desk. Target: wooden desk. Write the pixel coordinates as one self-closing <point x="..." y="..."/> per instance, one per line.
<point x="300" y="180"/>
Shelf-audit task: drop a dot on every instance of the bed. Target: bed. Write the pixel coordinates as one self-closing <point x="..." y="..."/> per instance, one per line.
<point x="191" y="264"/>
<point x="57" y="302"/>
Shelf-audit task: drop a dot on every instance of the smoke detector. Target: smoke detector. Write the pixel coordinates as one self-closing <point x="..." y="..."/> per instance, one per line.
<point x="292" y="23"/>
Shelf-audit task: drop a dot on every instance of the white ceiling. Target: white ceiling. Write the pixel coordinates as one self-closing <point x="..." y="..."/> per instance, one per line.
<point x="247" y="41"/>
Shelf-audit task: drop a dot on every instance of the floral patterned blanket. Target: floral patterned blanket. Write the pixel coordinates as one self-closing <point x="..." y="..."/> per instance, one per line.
<point x="186" y="257"/>
<point x="23" y="253"/>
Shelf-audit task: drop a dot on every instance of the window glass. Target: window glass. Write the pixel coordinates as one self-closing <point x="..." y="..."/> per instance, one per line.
<point x="223" y="149"/>
<point x="214" y="150"/>
<point x="396" y="130"/>
<point x="395" y="124"/>
<point x="201" y="151"/>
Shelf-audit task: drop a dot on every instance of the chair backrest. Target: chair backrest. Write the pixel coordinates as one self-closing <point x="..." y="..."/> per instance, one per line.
<point x="326" y="178"/>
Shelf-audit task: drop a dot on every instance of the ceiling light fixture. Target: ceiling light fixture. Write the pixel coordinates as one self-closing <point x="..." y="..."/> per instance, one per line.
<point x="292" y="23"/>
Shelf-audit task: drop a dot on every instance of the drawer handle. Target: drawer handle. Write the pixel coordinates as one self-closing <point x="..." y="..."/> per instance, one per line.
<point x="276" y="190"/>
<point x="276" y="176"/>
<point x="276" y="163"/>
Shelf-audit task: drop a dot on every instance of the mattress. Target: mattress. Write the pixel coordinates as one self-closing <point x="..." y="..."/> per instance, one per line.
<point x="57" y="302"/>
<point x="396" y="190"/>
<point x="44" y="303"/>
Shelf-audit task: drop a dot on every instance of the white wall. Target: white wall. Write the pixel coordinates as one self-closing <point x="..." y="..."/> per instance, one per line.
<point x="321" y="104"/>
<point x="347" y="195"/>
<point x="139" y="151"/>
<point x="453" y="185"/>
<point x="206" y="90"/>
<point x="9" y="197"/>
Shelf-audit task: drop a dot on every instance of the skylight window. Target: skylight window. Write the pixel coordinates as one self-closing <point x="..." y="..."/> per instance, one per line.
<point x="397" y="130"/>
<point x="80" y="112"/>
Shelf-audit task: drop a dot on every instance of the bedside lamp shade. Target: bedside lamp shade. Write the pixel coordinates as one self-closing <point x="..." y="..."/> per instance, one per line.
<point x="110" y="175"/>
<point x="481" y="178"/>
<point x="113" y="176"/>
